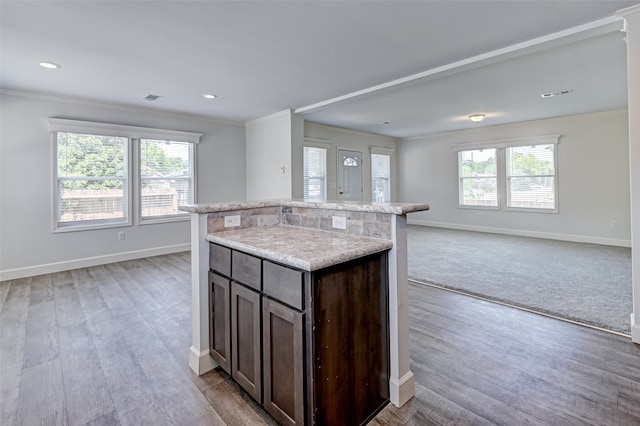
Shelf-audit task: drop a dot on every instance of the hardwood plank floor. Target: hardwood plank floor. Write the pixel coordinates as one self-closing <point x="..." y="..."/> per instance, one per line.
<point x="109" y="345"/>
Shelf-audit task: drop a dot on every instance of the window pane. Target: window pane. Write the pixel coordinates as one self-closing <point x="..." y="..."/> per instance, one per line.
<point x="92" y="178"/>
<point x="166" y="177"/>
<point x="479" y="192"/>
<point x="478" y="178"/>
<point x="380" y="177"/>
<point x="531" y="160"/>
<point x="480" y="162"/>
<point x="315" y="169"/>
<point x="531" y="177"/>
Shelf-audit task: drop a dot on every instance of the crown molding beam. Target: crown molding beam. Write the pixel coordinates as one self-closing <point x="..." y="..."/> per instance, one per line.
<point x="560" y="38"/>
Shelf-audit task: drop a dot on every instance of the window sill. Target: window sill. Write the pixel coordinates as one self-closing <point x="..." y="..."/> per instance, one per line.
<point x="70" y="227"/>
<point x="164" y="219"/>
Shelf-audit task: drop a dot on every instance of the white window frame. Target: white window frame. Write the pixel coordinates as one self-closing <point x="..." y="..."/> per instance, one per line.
<point x="462" y="178"/>
<point x="374" y="150"/>
<point x="555" y="183"/>
<point x="89" y="224"/>
<point x="502" y="175"/>
<point x="182" y="216"/>
<point x="326" y="148"/>
<point x="133" y="133"/>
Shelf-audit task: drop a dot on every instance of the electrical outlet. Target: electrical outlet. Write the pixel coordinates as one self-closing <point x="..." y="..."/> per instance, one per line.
<point x="339" y="222"/>
<point x="230" y="221"/>
<point x="614" y="224"/>
<point x="121" y="235"/>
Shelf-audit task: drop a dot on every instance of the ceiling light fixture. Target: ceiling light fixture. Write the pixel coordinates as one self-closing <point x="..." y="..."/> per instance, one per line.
<point x="476" y="118"/>
<point x="209" y="96"/>
<point x="49" y="65"/>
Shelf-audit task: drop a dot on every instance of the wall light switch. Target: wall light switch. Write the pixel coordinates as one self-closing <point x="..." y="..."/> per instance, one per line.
<point x="339" y="222"/>
<point x="230" y="221"/>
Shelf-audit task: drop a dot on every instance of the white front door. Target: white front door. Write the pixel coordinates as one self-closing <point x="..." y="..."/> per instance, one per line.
<point x="349" y="175"/>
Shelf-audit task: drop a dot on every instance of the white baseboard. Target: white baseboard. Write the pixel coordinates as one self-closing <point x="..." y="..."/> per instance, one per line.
<point x="635" y="329"/>
<point x="521" y="233"/>
<point x="50" y="268"/>
<point x="402" y="390"/>
<point x="200" y="361"/>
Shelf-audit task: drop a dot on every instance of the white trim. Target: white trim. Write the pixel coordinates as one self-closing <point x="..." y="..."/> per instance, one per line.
<point x="313" y="144"/>
<point x="630" y="12"/>
<point x="635" y="329"/>
<point x="580" y="32"/>
<point x="120" y="107"/>
<point x="401" y="390"/>
<point x="49" y="268"/>
<point x="133" y="132"/>
<point x="317" y="140"/>
<point x="522" y="233"/>
<point x="382" y="151"/>
<point x="201" y="361"/>
<point x="507" y="143"/>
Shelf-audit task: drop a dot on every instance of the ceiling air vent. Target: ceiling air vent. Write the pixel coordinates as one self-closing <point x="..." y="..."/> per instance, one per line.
<point x="558" y="93"/>
<point x="152" y="98"/>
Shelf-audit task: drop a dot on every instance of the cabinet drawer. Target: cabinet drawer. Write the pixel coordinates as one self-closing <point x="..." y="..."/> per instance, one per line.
<point x="246" y="269"/>
<point x="220" y="259"/>
<point x="283" y="284"/>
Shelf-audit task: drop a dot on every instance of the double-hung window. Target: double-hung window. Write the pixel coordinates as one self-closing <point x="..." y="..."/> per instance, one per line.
<point x="315" y="173"/>
<point x="381" y="175"/>
<point x="109" y="175"/>
<point x="531" y="177"/>
<point x="514" y="174"/>
<point x="166" y="177"/>
<point x="478" y="178"/>
<point x="92" y="180"/>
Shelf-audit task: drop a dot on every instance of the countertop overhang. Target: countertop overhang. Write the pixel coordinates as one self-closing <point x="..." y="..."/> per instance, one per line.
<point x="358" y="206"/>
<point x="302" y="248"/>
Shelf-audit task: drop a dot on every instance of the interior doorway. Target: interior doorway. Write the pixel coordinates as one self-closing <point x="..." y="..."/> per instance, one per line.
<point x="349" y="175"/>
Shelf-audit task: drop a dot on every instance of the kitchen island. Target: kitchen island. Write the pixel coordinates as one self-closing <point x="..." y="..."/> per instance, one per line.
<point x="285" y="269"/>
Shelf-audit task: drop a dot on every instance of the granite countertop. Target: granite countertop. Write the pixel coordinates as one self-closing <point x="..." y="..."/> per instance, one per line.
<point x="358" y="206"/>
<point x="302" y="248"/>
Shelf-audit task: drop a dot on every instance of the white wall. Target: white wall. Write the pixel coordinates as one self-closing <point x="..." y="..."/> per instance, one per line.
<point x="270" y="143"/>
<point x="27" y="245"/>
<point x="339" y="138"/>
<point x="593" y="180"/>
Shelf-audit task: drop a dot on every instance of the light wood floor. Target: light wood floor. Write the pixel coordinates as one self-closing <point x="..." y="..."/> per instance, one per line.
<point x="109" y="345"/>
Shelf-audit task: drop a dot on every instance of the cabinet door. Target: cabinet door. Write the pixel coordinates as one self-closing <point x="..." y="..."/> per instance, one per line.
<point x="245" y="339"/>
<point x="283" y="363"/>
<point x="219" y="321"/>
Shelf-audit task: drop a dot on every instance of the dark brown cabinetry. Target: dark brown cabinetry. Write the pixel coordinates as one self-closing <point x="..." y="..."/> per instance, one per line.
<point x="245" y="339"/>
<point x="220" y="320"/>
<point x="312" y="347"/>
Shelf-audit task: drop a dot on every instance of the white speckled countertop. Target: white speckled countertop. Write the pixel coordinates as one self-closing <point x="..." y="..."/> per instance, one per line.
<point x="358" y="206"/>
<point x="302" y="248"/>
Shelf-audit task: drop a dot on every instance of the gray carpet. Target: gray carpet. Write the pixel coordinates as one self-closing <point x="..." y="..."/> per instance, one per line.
<point x="587" y="283"/>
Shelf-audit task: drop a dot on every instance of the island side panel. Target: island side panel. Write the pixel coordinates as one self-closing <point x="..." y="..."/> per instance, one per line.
<point x="401" y="382"/>
<point x="199" y="359"/>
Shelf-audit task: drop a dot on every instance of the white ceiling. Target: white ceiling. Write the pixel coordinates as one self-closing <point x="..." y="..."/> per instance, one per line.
<point x="265" y="56"/>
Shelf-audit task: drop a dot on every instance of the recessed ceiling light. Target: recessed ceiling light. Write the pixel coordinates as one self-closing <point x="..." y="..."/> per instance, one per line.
<point x="49" y="65"/>
<point x="209" y="96"/>
<point x="476" y="118"/>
